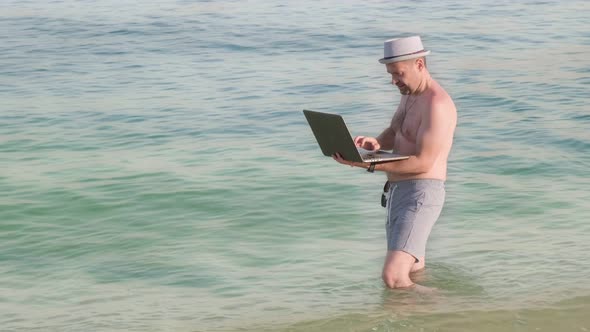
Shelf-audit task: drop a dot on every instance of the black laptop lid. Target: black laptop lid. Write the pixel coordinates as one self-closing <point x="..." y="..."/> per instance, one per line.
<point x="332" y="135"/>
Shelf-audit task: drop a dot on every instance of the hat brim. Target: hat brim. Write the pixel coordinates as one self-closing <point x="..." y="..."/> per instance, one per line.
<point x="404" y="57"/>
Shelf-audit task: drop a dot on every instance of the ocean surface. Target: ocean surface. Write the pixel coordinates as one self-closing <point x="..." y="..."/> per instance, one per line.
<point x="157" y="173"/>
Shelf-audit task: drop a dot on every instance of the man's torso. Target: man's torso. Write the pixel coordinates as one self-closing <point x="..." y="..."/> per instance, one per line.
<point x="408" y="125"/>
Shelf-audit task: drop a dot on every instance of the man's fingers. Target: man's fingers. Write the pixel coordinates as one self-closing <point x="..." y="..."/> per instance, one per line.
<point x="367" y="143"/>
<point x="358" y="141"/>
<point x="373" y="145"/>
<point x="338" y="157"/>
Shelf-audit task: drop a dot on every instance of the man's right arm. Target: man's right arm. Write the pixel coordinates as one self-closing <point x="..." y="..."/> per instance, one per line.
<point x="386" y="138"/>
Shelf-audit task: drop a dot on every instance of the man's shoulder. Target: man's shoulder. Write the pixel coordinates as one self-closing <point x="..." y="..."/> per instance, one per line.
<point x="440" y="106"/>
<point x="439" y="94"/>
<point x="440" y="99"/>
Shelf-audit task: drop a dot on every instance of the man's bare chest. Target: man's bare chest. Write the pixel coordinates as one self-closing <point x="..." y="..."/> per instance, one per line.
<point x="410" y="126"/>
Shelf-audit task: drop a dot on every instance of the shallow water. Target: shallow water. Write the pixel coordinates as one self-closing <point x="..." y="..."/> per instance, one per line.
<point x="158" y="174"/>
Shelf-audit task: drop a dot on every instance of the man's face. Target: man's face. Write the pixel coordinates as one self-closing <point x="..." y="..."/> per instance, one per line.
<point x="403" y="75"/>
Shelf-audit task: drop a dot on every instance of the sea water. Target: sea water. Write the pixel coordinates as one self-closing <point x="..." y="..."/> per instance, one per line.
<point x="157" y="173"/>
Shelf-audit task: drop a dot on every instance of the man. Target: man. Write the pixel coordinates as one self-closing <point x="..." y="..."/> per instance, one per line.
<point x="422" y="127"/>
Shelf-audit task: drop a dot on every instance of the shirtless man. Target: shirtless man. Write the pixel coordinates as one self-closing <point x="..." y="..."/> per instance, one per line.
<point x="422" y="127"/>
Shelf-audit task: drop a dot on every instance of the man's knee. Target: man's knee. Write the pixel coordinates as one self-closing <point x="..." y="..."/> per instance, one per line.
<point x="388" y="279"/>
<point x="396" y="270"/>
<point x="393" y="280"/>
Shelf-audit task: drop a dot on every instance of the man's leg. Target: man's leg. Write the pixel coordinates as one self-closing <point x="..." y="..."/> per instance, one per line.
<point x="396" y="270"/>
<point x="419" y="265"/>
<point x="413" y="208"/>
<point x="417" y="274"/>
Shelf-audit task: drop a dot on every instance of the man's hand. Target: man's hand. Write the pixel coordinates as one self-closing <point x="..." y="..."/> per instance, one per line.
<point x="367" y="143"/>
<point x="341" y="160"/>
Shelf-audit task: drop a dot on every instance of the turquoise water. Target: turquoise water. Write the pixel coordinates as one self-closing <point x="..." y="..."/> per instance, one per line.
<point x="158" y="174"/>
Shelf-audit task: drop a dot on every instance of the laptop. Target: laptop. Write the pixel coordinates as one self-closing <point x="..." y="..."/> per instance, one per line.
<point x="333" y="136"/>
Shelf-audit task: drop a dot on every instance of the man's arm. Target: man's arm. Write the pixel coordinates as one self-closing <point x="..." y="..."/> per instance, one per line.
<point x="387" y="138"/>
<point x="384" y="141"/>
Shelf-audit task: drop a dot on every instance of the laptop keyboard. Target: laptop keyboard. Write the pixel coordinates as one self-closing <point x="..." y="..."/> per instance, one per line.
<point x="372" y="156"/>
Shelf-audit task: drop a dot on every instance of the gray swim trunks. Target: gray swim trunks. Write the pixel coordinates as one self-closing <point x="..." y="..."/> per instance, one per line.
<point x="413" y="206"/>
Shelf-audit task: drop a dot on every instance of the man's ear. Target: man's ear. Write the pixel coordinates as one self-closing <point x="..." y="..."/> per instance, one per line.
<point x="420" y="64"/>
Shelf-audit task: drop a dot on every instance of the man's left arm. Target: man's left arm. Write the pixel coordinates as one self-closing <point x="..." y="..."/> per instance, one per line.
<point x="432" y="134"/>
